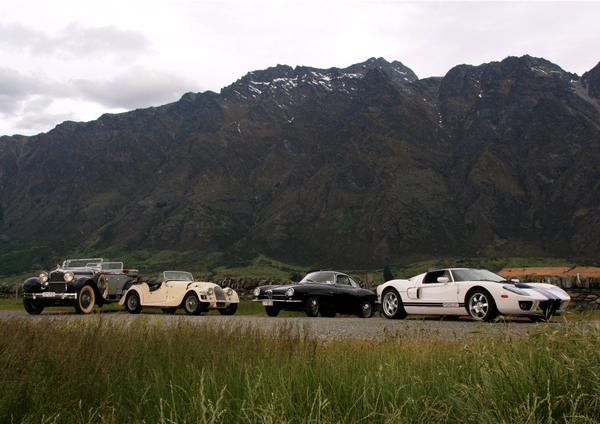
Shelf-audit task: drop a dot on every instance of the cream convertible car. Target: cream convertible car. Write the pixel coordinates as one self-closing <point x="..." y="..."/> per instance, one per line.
<point x="175" y="289"/>
<point x="475" y="292"/>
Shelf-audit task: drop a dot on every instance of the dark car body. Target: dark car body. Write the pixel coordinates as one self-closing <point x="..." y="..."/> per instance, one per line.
<point x="105" y="281"/>
<point x="334" y="292"/>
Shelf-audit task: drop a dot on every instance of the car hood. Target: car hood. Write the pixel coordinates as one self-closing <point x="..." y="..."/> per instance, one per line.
<point x="549" y="291"/>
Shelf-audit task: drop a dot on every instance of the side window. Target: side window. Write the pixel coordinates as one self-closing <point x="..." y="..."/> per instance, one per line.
<point x="431" y="277"/>
<point x="343" y="279"/>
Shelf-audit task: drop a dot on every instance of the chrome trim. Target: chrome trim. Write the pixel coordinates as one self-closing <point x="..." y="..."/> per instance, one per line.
<point x="60" y="296"/>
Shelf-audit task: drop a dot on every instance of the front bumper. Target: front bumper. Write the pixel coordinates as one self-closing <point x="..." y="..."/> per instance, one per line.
<point x="50" y="296"/>
<point x="275" y="300"/>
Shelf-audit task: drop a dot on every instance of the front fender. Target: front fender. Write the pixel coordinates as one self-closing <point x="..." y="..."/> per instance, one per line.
<point x="79" y="283"/>
<point x="32" y="285"/>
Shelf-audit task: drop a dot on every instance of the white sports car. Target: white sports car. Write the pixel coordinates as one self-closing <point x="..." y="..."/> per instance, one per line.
<point x="476" y="292"/>
<point x="175" y="289"/>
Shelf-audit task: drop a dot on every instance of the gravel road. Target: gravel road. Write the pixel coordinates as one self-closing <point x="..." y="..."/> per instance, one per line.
<point x="343" y="328"/>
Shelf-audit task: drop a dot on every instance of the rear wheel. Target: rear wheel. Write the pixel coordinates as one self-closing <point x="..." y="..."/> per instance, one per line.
<point x="391" y="305"/>
<point x="311" y="306"/>
<point x="191" y="304"/>
<point x="365" y="309"/>
<point x="230" y="310"/>
<point x="86" y="298"/>
<point x="272" y="311"/>
<point x="33" y="307"/>
<point x="133" y="303"/>
<point x="481" y="306"/>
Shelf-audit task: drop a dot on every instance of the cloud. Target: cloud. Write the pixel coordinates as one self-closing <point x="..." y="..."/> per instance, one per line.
<point x="137" y="87"/>
<point x="37" y="117"/>
<point x="75" y="41"/>
<point x="15" y="87"/>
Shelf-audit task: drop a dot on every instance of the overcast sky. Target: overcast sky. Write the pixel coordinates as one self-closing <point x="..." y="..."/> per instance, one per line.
<point x="75" y="60"/>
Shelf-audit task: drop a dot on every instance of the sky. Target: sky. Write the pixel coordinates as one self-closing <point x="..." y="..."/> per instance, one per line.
<point x="75" y="60"/>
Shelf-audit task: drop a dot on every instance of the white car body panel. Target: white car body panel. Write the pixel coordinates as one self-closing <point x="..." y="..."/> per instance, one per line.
<point x="449" y="298"/>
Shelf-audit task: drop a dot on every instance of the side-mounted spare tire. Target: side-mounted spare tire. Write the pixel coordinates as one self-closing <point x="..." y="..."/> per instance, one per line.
<point x="86" y="299"/>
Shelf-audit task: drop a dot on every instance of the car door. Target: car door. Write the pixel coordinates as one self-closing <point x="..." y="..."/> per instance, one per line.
<point x="157" y="296"/>
<point x="435" y="295"/>
<point x="345" y="294"/>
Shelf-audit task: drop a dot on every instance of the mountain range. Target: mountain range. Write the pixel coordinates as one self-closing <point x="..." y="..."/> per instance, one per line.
<point x="355" y="166"/>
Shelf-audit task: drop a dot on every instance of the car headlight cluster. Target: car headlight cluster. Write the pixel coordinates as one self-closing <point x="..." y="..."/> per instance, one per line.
<point x="69" y="276"/>
<point x="228" y="291"/>
<point x="210" y="291"/>
<point x="257" y="291"/>
<point x="289" y="292"/>
<point x="43" y="276"/>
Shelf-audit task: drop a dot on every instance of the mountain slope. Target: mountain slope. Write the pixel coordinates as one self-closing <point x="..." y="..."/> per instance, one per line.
<point x="349" y="167"/>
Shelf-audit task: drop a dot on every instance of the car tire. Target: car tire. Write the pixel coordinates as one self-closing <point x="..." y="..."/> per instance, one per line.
<point x="365" y="309"/>
<point x="133" y="303"/>
<point x="191" y="304"/>
<point x="169" y="311"/>
<point x="272" y="311"/>
<point x="481" y="306"/>
<point x="391" y="305"/>
<point x="230" y="310"/>
<point x="86" y="298"/>
<point x="32" y="307"/>
<point x="328" y="313"/>
<point x="102" y="285"/>
<point x="311" y="307"/>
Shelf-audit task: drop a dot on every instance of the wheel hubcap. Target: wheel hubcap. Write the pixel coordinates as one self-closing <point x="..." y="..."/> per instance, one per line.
<point x="85" y="299"/>
<point x="390" y="303"/>
<point x="191" y="303"/>
<point x="478" y="305"/>
<point x="314" y="305"/>
<point x="132" y="302"/>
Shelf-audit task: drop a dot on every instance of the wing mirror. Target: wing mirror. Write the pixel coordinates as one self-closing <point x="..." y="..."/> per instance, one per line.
<point x="443" y="280"/>
<point x="515" y="280"/>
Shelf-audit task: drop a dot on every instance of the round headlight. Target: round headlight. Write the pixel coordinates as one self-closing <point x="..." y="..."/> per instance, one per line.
<point x="289" y="292"/>
<point x="210" y="291"/>
<point x="228" y="291"/>
<point x="257" y="291"/>
<point x="43" y="276"/>
<point x="69" y="276"/>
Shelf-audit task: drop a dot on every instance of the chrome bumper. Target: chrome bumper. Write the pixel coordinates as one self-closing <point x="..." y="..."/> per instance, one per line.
<point x="277" y="300"/>
<point x="55" y="296"/>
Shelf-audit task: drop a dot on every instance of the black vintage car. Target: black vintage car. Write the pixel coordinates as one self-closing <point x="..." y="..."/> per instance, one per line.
<point x="81" y="283"/>
<point x="323" y="292"/>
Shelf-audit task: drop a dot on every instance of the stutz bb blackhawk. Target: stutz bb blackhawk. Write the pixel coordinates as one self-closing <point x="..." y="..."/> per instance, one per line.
<point x="81" y="283"/>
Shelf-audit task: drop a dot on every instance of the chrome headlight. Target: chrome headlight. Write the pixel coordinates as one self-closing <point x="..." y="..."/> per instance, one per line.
<point x="210" y="291"/>
<point x="257" y="292"/>
<point x="229" y="291"/>
<point x="289" y="292"/>
<point x="43" y="276"/>
<point x="515" y="290"/>
<point x="69" y="276"/>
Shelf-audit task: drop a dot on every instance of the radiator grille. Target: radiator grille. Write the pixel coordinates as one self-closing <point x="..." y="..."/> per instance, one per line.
<point x="219" y="294"/>
<point x="57" y="287"/>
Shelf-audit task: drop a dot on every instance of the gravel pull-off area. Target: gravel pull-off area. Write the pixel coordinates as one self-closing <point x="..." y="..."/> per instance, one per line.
<point x="344" y="328"/>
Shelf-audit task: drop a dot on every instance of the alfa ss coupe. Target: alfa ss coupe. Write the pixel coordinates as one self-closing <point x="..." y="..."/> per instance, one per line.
<point x="81" y="283"/>
<point x="324" y="293"/>
<point x="477" y="293"/>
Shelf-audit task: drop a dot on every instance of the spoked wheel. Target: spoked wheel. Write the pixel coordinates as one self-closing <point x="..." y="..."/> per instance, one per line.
<point x="272" y="311"/>
<point x="133" y="303"/>
<point x="481" y="306"/>
<point x="365" y="310"/>
<point x="102" y="285"/>
<point x="191" y="304"/>
<point x="391" y="305"/>
<point x="33" y="307"/>
<point x="230" y="310"/>
<point x="86" y="298"/>
<point x="169" y="311"/>
<point x="311" y="307"/>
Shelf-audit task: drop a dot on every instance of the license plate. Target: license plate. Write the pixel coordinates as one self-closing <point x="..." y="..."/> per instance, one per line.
<point x="48" y="294"/>
<point x="267" y="303"/>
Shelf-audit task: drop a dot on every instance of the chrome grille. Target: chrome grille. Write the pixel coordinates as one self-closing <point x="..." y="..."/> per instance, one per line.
<point x="219" y="294"/>
<point x="57" y="287"/>
<point x="56" y="276"/>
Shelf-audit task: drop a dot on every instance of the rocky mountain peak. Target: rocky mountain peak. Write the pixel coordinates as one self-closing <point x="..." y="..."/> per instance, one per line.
<point x="591" y="80"/>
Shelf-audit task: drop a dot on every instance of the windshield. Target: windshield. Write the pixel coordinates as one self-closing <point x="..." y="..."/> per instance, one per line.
<point x="112" y="266"/>
<point x="319" y="277"/>
<point x="82" y="263"/>
<point x="178" y="276"/>
<point x="476" y="275"/>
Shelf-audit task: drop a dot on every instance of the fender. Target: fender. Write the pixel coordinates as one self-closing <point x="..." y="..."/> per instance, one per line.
<point x="32" y="285"/>
<point x="78" y="284"/>
<point x="128" y="284"/>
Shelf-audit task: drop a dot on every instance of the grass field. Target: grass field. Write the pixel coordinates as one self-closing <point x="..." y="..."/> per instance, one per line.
<point x="99" y="372"/>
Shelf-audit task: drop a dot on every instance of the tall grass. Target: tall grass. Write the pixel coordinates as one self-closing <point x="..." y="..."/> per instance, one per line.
<point x="134" y="371"/>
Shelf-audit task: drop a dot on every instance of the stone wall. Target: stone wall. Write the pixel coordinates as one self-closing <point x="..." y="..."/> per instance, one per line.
<point x="585" y="299"/>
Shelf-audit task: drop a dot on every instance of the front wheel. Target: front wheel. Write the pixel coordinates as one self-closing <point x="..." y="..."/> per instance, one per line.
<point x="365" y="309"/>
<point x="133" y="303"/>
<point x="86" y="298"/>
<point x="391" y="305"/>
<point x="481" y="306"/>
<point x="32" y="307"/>
<point x="191" y="304"/>
<point x="311" y="307"/>
<point x="272" y="311"/>
<point x="230" y="310"/>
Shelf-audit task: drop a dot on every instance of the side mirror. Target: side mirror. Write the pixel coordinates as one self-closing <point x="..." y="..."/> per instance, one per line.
<point x="443" y="280"/>
<point x="515" y="280"/>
